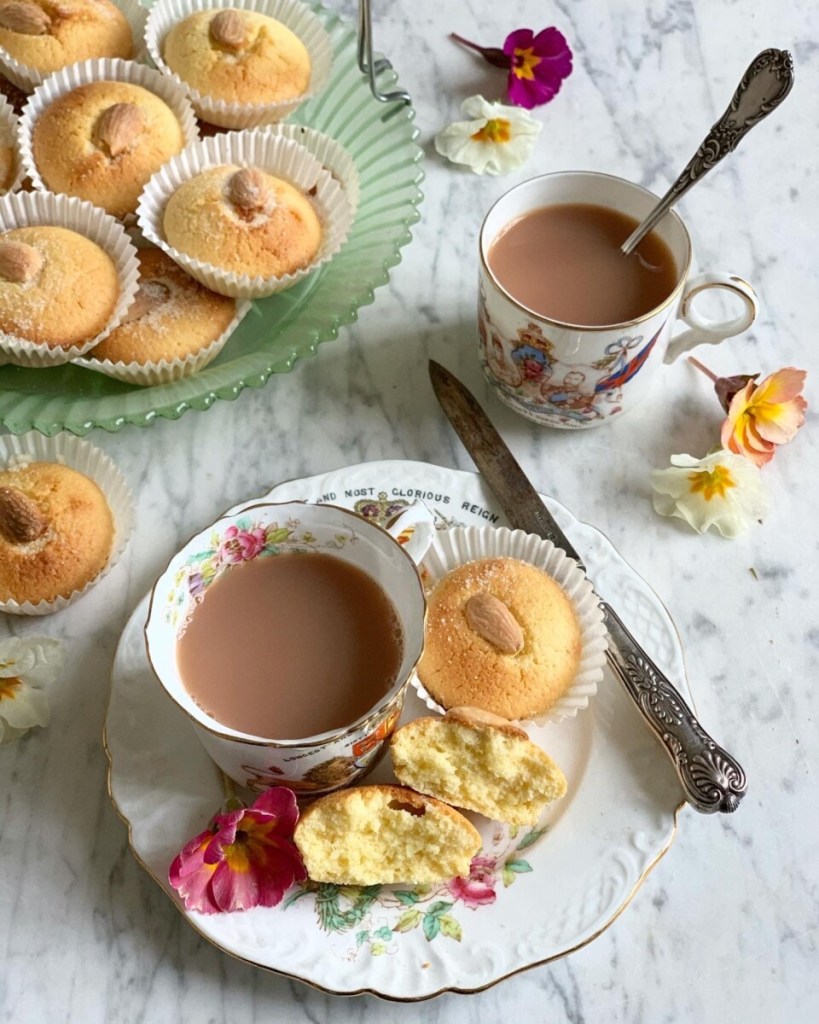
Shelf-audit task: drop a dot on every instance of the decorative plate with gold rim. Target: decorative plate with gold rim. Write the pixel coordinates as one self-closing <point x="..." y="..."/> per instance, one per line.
<point x="533" y="895"/>
<point x="285" y="327"/>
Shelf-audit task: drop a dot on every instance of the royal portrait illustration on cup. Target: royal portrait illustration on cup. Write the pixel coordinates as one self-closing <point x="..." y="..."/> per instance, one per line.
<point x="569" y="375"/>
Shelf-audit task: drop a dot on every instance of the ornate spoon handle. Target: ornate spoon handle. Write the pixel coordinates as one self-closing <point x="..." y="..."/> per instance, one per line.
<point x="764" y="86"/>
<point x="712" y="779"/>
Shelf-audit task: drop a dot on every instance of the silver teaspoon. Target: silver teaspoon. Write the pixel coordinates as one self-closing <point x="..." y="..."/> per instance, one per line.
<point x="763" y="87"/>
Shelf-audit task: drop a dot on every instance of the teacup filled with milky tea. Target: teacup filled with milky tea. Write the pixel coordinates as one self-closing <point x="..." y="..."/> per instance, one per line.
<point x="287" y="633"/>
<point x="571" y="330"/>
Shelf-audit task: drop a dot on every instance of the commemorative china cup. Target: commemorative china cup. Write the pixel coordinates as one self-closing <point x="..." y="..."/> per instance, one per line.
<point x="287" y="634"/>
<point x="569" y="374"/>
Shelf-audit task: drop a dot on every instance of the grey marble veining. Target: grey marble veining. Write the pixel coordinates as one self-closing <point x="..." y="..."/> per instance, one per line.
<point x="726" y="927"/>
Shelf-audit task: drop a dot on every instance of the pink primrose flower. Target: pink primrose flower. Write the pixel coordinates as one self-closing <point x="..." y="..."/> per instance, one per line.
<point x="245" y="859"/>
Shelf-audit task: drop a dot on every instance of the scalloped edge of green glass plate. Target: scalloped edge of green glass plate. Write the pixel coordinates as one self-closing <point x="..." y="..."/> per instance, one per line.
<point x="21" y="411"/>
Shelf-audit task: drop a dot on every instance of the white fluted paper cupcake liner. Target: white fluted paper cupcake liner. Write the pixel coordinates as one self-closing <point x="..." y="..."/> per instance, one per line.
<point x="166" y="370"/>
<point x="8" y="127"/>
<point x="329" y="152"/>
<point x="292" y="13"/>
<point x="459" y="545"/>
<point x="26" y="208"/>
<point x="28" y="78"/>
<point x="94" y="463"/>
<point x="271" y="152"/>
<point x="105" y="70"/>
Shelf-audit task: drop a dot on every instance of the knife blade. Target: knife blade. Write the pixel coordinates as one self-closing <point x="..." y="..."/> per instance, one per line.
<point x="713" y="780"/>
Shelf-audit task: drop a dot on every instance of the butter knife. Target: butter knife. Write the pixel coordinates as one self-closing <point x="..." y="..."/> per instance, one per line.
<point x="712" y="779"/>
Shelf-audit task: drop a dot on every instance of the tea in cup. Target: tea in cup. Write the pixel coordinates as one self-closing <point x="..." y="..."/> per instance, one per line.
<point x="571" y="330"/>
<point x="288" y="634"/>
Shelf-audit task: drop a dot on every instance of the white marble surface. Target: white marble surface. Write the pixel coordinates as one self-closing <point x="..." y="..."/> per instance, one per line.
<point x="727" y="926"/>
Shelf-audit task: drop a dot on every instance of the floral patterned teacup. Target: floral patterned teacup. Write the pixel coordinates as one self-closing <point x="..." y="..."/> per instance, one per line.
<point x="573" y="376"/>
<point x="325" y="762"/>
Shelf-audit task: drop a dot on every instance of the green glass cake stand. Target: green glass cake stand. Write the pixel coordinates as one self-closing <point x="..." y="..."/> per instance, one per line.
<point x="285" y="327"/>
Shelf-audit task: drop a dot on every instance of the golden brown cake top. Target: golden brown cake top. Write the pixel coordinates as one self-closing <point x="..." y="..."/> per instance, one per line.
<point x="238" y="56"/>
<point x="50" y="34"/>
<point x="172" y="316"/>
<point x="57" y="287"/>
<point x="243" y="220"/>
<point x="102" y="142"/>
<point x="56" y="532"/>
<point x="501" y="636"/>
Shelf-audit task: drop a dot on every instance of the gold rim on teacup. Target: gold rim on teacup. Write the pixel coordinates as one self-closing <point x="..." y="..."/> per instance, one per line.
<point x="362" y="724"/>
<point x="484" y="244"/>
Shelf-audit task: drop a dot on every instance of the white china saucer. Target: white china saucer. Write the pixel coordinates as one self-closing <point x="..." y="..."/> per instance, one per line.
<point x="534" y="896"/>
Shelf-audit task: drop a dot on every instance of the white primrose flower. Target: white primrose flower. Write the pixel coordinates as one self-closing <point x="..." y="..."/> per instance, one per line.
<point x="722" y="490"/>
<point x="27" y="667"/>
<point x="495" y="139"/>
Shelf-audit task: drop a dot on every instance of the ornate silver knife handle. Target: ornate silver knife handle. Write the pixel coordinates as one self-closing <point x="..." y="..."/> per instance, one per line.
<point x="712" y="779"/>
<point x="763" y="87"/>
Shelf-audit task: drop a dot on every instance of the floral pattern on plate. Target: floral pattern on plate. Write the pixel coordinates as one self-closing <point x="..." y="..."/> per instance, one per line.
<point x="432" y="909"/>
<point x="601" y="840"/>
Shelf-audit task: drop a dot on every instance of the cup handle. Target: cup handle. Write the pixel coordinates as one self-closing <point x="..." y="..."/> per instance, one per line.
<point x="704" y="330"/>
<point x="413" y="527"/>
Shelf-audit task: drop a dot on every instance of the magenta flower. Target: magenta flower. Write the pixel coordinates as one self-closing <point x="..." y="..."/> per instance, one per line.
<point x="537" y="64"/>
<point x="246" y="858"/>
<point x="241" y="545"/>
<point x="479" y="888"/>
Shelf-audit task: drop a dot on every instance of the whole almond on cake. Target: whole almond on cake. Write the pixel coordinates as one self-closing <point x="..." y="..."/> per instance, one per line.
<point x="57" y="287"/>
<point x="48" y="36"/>
<point x="501" y="635"/>
<point x="243" y="220"/>
<point x="238" y="56"/>
<point x="102" y="142"/>
<point x="56" y="532"/>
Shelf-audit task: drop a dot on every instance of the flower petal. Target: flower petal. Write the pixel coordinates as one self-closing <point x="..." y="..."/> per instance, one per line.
<point x="234" y="888"/>
<point x="530" y="92"/>
<point x="539" y="64"/>
<point x="781" y="386"/>
<point x="25" y="708"/>
<point x="765" y="415"/>
<point x="779" y="423"/>
<point x="280" y="802"/>
<point x="466" y="142"/>
<point x="37" y="659"/>
<point x="723" y="490"/>
<point x="520" y="39"/>
<point x="190" y="876"/>
<point x="9" y="735"/>
<point x="245" y="859"/>
<point x="552" y="45"/>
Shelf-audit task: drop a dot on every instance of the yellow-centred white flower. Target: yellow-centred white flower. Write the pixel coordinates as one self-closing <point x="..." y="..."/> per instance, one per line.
<point x="722" y="490"/>
<point x="27" y="668"/>
<point x="493" y="138"/>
